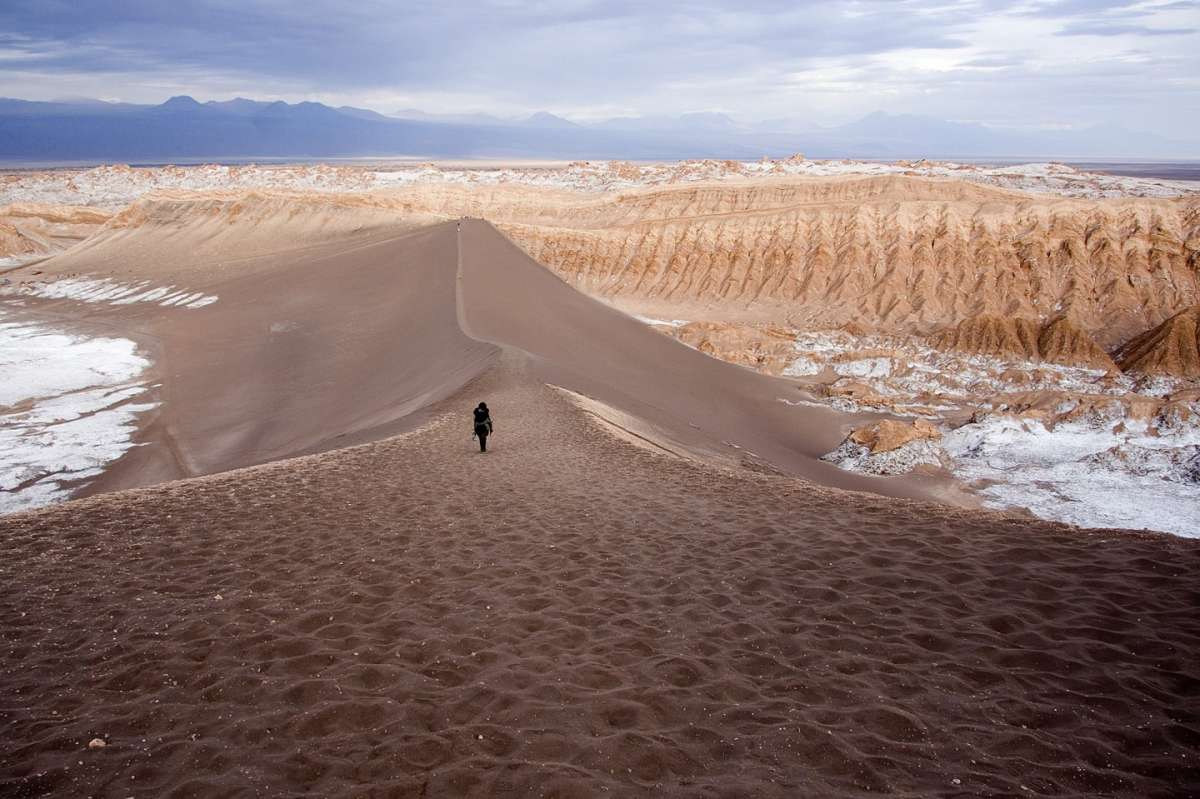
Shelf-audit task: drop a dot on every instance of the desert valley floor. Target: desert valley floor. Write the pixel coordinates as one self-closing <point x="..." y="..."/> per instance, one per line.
<point x="287" y="569"/>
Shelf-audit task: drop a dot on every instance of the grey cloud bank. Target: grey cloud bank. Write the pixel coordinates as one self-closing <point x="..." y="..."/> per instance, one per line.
<point x="1018" y="65"/>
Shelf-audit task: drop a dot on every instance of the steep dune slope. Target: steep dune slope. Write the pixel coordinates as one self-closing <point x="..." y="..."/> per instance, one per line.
<point x="696" y="401"/>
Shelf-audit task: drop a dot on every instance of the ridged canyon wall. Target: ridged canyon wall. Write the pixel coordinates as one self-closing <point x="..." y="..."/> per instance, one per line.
<point x="901" y="257"/>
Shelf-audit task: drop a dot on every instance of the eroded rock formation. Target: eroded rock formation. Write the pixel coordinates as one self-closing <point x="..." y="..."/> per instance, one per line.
<point x="1015" y="338"/>
<point x="895" y="254"/>
<point x="1172" y="349"/>
<point x="769" y="348"/>
<point x="29" y="230"/>
<point x="887" y="435"/>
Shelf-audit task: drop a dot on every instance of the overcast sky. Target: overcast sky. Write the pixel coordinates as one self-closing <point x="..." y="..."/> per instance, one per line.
<point x="1039" y="63"/>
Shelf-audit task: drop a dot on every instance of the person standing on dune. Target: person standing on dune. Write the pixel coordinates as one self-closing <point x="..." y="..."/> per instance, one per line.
<point x="483" y="425"/>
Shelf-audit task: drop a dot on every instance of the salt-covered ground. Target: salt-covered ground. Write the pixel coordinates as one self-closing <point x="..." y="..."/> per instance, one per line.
<point x="11" y="262"/>
<point x="906" y="372"/>
<point x="68" y="406"/>
<point x="662" y="322"/>
<point x="1083" y="473"/>
<point x="1079" y="456"/>
<point x="114" y="187"/>
<point x="103" y="290"/>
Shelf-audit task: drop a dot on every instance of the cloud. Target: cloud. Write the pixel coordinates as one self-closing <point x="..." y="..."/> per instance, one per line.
<point x="995" y="61"/>
<point x="1076" y="8"/>
<point x="374" y="43"/>
<point x="754" y="58"/>
<point x="1119" y="29"/>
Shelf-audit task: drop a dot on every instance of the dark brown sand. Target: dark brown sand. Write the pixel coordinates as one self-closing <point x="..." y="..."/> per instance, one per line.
<point x="569" y="615"/>
<point x="573" y="615"/>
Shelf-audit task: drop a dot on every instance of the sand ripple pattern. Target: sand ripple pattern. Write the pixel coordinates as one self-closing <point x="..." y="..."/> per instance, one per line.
<point x="572" y="616"/>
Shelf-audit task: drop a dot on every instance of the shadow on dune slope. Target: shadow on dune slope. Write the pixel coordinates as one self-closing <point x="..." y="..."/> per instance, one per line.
<point x="701" y="404"/>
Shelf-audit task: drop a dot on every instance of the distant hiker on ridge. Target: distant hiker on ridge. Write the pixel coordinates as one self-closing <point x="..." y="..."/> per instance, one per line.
<point x="483" y="425"/>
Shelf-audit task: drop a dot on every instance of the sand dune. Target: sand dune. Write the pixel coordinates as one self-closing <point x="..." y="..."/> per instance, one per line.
<point x="746" y="268"/>
<point x="571" y="614"/>
<point x="303" y="352"/>
<point x="705" y="406"/>
<point x="318" y="346"/>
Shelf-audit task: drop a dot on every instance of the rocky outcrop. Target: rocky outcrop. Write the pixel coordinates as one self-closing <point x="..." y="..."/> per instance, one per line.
<point x="31" y="230"/>
<point x="889" y="447"/>
<point x="1171" y="349"/>
<point x="1002" y="337"/>
<point x="1009" y="338"/>
<point x="768" y="348"/>
<point x="1062" y="341"/>
<point x="888" y="435"/>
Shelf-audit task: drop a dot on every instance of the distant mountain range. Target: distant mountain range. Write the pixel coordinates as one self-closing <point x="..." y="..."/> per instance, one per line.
<point x="182" y="129"/>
